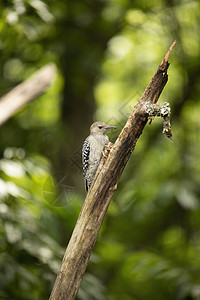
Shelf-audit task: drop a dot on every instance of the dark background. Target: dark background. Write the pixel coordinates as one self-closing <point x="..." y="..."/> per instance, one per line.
<point x="106" y="52"/>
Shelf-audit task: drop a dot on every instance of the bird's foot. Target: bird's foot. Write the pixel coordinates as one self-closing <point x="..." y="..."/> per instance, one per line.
<point x="107" y="149"/>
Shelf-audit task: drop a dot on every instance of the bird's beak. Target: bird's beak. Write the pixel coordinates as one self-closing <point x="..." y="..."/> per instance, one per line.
<point x="111" y="127"/>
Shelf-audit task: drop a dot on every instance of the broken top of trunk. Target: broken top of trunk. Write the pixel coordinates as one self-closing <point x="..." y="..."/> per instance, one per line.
<point x="100" y="193"/>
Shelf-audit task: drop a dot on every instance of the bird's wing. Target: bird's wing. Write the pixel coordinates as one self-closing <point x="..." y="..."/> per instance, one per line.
<point x="85" y="156"/>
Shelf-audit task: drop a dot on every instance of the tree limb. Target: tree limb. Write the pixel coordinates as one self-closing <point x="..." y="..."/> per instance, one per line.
<point x="100" y="193"/>
<point x="26" y="92"/>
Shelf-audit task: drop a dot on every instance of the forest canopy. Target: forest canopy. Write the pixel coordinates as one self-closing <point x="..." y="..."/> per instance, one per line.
<point x="106" y="52"/>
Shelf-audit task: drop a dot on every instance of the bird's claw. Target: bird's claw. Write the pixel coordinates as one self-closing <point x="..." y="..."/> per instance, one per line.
<point x="107" y="149"/>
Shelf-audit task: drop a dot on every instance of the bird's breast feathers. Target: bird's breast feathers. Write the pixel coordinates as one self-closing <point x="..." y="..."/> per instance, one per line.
<point x="97" y="144"/>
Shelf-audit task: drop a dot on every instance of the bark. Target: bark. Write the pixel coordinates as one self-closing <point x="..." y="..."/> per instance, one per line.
<point x="100" y="193"/>
<point x="26" y="92"/>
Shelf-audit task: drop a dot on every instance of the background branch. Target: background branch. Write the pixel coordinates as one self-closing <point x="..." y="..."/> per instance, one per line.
<point x="100" y="193"/>
<point x="26" y="92"/>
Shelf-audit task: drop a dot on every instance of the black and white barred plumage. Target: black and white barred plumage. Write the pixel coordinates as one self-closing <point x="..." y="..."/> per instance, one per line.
<point x="85" y="158"/>
<point x="92" y="150"/>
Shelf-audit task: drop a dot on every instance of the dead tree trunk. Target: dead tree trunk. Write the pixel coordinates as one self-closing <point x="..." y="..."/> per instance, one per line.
<point x="96" y="203"/>
<point x="26" y="92"/>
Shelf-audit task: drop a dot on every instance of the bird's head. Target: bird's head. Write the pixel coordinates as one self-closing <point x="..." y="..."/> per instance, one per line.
<point x="100" y="128"/>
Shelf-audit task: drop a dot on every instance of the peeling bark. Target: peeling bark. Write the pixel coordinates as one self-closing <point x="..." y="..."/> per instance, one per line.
<point x="98" y="198"/>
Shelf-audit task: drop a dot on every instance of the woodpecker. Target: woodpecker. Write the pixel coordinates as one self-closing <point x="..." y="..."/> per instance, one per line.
<point x="92" y="150"/>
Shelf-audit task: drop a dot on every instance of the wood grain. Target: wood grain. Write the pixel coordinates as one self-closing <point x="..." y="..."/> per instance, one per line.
<point x="96" y="203"/>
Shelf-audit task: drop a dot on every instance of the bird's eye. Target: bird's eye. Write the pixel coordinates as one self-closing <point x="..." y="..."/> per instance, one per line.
<point x="100" y="127"/>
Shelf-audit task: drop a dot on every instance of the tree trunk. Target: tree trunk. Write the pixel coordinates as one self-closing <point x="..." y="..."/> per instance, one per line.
<point x="26" y="92"/>
<point x="96" y="203"/>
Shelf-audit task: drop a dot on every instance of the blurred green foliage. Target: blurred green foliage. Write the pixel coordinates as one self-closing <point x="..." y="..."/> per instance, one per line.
<point x="106" y="53"/>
